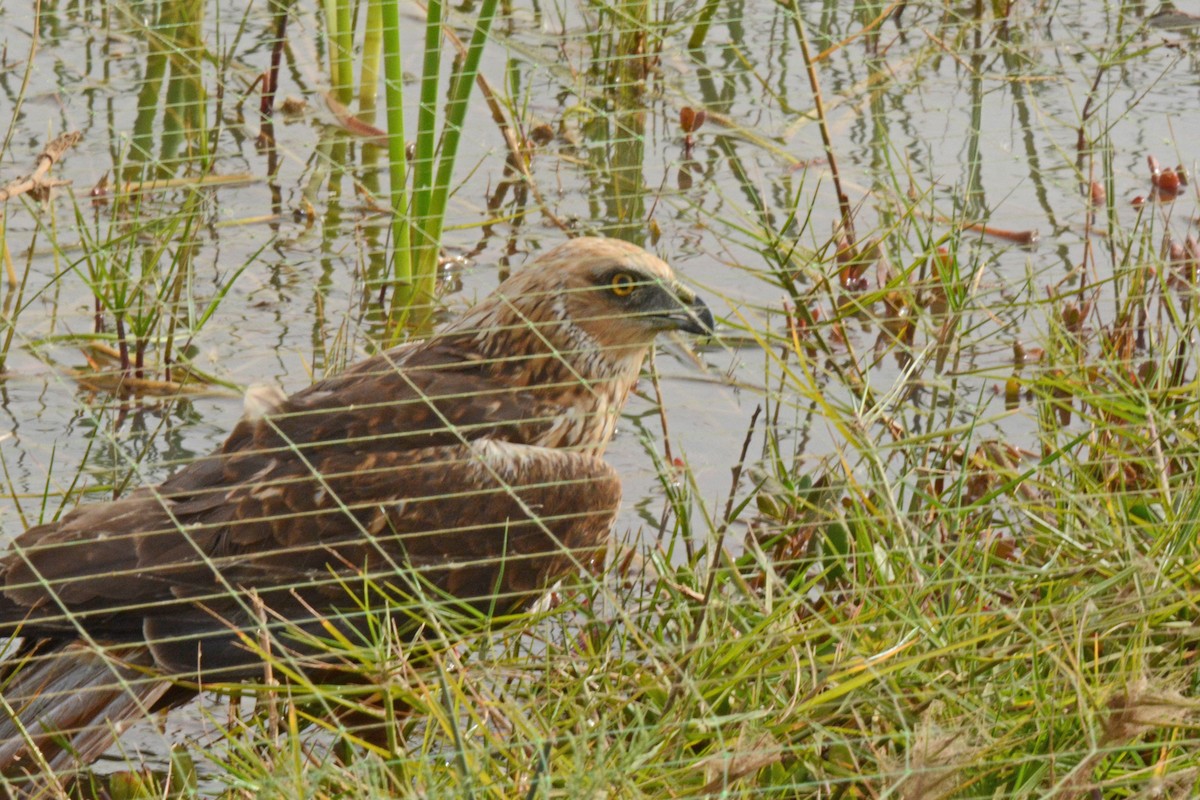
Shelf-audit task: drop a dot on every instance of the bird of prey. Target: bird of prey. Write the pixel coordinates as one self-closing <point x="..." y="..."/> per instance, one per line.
<point x="467" y="466"/>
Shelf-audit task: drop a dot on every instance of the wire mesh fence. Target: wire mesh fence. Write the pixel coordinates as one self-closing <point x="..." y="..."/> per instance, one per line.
<point x="339" y="461"/>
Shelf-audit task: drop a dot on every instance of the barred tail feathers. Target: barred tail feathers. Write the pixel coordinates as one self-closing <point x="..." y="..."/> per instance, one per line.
<point x="62" y="706"/>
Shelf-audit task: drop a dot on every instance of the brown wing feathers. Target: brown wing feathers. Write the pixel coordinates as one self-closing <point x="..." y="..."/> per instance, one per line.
<point x="467" y="464"/>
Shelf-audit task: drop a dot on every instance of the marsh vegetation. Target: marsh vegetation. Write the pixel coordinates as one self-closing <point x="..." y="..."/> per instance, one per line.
<point x="921" y="521"/>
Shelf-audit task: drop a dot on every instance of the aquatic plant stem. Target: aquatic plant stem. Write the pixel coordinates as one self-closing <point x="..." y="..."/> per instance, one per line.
<point x="456" y="110"/>
<point x="823" y="123"/>
<point x="266" y="107"/>
<point x="397" y="162"/>
<point x="338" y="25"/>
<point x="703" y="23"/>
<point x="425" y="248"/>
<point x="368" y="83"/>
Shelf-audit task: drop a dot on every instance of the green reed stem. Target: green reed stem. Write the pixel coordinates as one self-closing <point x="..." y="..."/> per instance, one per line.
<point x="417" y="235"/>
<point x="703" y="23"/>
<point x="368" y="83"/>
<point x="340" y="29"/>
<point x="456" y="110"/>
<point x="425" y="248"/>
<point x="398" y="164"/>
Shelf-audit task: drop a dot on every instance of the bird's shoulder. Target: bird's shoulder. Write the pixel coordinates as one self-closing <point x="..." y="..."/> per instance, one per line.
<point x="437" y="392"/>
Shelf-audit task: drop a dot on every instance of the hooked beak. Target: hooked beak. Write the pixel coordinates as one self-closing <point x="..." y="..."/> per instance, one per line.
<point x="690" y="314"/>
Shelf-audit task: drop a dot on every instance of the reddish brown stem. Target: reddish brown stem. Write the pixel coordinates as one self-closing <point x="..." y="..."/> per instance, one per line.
<point x="823" y="125"/>
<point x="271" y="79"/>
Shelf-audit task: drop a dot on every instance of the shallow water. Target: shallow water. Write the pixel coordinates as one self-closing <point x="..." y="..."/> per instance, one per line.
<point x="977" y="119"/>
<point x="964" y="114"/>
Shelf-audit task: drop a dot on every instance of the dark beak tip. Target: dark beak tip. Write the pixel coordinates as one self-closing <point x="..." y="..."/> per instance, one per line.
<point x="699" y="319"/>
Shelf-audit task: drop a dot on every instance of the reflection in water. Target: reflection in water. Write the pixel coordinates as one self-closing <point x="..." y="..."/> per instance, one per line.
<point x="936" y="119"/>
<point x="629" y="70"/>
<point x="617" y="76"/>
<point x="171" y="98"/>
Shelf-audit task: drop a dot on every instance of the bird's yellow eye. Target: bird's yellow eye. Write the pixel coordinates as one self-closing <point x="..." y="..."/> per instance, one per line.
<point x="622" y="284"/>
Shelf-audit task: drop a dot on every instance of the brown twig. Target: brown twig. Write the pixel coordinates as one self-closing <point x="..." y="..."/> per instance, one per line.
<point x="662" y="411"/>
<point x="1081" y="142"/>
<point x="727" y="517"/>
<point x="870" y="26"/>
<point x="271" y="696"/>
<point x="823" y="123"/>
<point x="47" y="159"/>
<point x="37" y="183"/>
<point x="266" y="105"/>
<point x="723" y="528"/>
<point x="704" y="601"/>
<point x="1025" y="238"/>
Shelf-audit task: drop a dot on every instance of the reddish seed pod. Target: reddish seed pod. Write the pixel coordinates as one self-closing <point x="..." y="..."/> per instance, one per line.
<point x="687" y="119"/>
<point x="1138" y="201"/>
<point x="1175" y="252"/>
<point x="690" y="119"/>
<point x="1167" y="183"/>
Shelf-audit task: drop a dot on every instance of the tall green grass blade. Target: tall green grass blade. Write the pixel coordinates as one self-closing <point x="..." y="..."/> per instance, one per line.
<point x="339" y="29"/>
<point x="456" y="110"/>
<point x="425" y="248"/>
<point x="393" y="66"/>
<point x="368" y="84"/>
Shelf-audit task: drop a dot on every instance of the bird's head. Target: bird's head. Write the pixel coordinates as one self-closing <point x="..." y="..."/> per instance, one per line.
<point x="590" y="296"/>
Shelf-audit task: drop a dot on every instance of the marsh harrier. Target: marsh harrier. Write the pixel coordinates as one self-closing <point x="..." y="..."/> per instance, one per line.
<point x="467" y="467"/>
